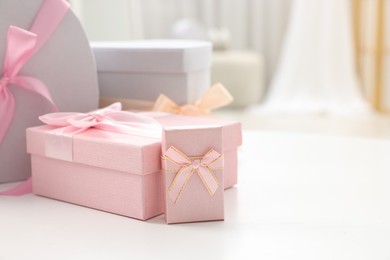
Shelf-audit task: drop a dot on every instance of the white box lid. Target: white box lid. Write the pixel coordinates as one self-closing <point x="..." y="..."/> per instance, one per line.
<point x="165" y="56"/>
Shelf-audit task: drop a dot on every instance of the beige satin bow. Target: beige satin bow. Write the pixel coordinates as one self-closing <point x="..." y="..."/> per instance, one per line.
<point x="215" y="97"/>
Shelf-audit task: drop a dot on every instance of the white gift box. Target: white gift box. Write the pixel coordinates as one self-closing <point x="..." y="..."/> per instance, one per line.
<point x="64" y="64"/>
<point x="142" y="70"/>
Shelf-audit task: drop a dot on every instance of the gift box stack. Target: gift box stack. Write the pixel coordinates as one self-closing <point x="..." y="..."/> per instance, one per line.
<point x="172" y="157"/>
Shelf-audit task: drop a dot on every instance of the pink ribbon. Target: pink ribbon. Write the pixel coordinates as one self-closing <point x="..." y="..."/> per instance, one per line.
<point x="21" y="46"/>
<point x="177" y="161"/>
<point x="21" y="189"/>
<point x="110" y="118"/>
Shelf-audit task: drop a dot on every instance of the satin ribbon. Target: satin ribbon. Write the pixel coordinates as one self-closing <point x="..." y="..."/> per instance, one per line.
<point x="215" y="97"/>
<point x="21" y="189"/>
<point x="21" y="46"/>
<point x="110" y="118"/>
<point x="177" y="161"/>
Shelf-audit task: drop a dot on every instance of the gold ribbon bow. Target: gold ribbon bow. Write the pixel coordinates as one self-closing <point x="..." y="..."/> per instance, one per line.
<point x="215" y="97"/>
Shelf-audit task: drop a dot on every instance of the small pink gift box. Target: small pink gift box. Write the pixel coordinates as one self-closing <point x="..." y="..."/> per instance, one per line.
<point x="114" y="172"/>
<point x="193" y="174"/>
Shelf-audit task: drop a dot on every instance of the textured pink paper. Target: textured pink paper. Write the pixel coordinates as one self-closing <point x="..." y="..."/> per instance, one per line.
<point x="121" y="152"/>
<point x="194" y="203"/>
<point x="131" y="195"/>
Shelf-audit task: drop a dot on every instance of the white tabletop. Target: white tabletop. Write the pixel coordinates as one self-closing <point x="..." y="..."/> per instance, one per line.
<point x="300" y="196"/>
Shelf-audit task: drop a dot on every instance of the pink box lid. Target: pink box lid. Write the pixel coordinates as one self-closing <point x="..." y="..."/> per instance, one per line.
<point x="231" y="130"/>
<point x="126" y="153"/>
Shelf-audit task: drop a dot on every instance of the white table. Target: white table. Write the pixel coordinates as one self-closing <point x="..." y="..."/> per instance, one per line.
<point x="300" y="196"/>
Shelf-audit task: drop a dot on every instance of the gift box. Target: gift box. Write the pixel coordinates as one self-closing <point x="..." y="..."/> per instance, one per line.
<point x="118" y="172"/>
<point x="193" y="174"/>
<point x="111" y="171"/>
<point x="142" y="70"/>
<point x="45" y="62"/>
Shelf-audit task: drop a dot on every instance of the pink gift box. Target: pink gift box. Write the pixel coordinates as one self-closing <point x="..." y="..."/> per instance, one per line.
<point x="112" y="172"/>
<point x="193" y="174"/>
<point x="117" y="173"/>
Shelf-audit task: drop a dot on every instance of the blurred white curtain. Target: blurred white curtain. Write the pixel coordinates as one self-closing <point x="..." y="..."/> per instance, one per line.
<point x="316" y="73"/>
<point x="114" y="20"/>
<point x="254" y="24"/>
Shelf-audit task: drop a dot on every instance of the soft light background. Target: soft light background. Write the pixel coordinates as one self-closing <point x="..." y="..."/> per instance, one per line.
<point x="310" y="187"/>
<point x="256" y="25"/>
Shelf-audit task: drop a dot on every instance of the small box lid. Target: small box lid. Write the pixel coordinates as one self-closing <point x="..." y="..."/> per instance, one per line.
<point x="103" y="149"/>
<point x="231" y="130"/>
<point x="164" y="56"/>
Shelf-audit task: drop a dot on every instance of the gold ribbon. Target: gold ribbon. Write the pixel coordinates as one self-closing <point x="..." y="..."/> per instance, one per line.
<point x="215" y="97"/>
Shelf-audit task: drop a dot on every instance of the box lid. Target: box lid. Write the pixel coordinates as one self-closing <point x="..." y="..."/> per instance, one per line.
<point x="231" y="130"/>
<point x="121" y="152"/>
<point x="164" y="56"/>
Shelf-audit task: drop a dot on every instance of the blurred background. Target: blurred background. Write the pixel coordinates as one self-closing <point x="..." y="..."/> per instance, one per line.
<point x="279" y="57"/>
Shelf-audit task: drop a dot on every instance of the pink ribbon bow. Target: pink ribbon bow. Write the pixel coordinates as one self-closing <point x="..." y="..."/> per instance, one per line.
<point x="178" y="162"/>
<point x="21" y="46"/>
<point x="215" y="97"/>
<point x="110" y="118"/>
